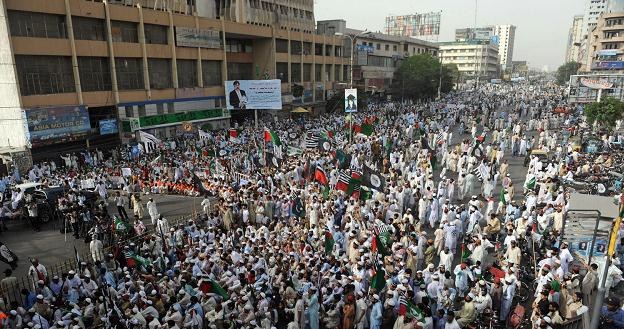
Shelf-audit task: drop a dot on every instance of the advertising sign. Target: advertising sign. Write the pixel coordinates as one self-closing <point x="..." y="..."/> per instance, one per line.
<point x="596" y="84"/>
<point x="57" y="125"/>
<point x="424" y="24"/>
<point x="108" y="127"/>
<point x="350" y="100"/>
<point x="192" y="37"/>
<point x="609" y="65"/>
<point x="253" y="94"/>
<point x="365" y="48"/>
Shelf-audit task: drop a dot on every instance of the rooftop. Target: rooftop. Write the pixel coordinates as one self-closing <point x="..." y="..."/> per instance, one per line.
<point x="392" y="38"/>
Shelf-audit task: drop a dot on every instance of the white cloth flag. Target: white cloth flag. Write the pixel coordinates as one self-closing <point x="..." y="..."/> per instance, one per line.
<point x="150" y="141"/>
<point x="203" y="134"/>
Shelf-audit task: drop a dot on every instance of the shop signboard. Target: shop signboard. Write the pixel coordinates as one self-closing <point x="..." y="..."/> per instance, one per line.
<point x="51" y="125"/>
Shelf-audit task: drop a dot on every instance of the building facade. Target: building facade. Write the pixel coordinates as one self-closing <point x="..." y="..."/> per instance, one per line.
<point x="607" y="44"/>
<point x="503" y="36"/>
<point x="506" y="35"/>
<point x="376" y="56"/>
<point x="150" y="69"/>
<point x="474" y="59"/>
<point x="575" y="40"/>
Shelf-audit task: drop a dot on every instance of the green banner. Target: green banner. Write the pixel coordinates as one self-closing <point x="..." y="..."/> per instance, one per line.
<point x="155" y="120"/>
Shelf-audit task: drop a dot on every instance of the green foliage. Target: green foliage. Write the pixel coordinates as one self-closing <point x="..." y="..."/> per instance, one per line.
<point x="565" y="71"/>
<point x="606" y="112"/>
<point x="418" y="77"/>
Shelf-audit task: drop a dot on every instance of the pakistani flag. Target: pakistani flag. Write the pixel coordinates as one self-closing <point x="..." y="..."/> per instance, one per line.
<point x="530" y="184"/>
<point x="502" y="196"/>
<point x="365" y="193"/>
<point x="378" y="282"/>
<point x="373" y="179"/>
<point x="120" y="225"/>
<point x="413" y="312"/>
<point x="329" y="242"/>
<point x="298" y="208"/>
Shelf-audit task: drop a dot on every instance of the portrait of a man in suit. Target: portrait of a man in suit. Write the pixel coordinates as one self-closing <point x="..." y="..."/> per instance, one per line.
<point x="238" y="98"/>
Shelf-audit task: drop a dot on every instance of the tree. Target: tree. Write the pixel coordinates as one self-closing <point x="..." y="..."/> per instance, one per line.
<point x="605" y="113"/>
<point x="565" y="71"/>
<point x="418" y="77"/>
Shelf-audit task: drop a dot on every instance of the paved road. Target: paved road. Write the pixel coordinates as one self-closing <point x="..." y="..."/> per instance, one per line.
<point x="50" y="246"/>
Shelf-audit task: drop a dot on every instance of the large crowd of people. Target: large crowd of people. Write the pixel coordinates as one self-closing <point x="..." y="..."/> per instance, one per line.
<point x="405" y="215"/>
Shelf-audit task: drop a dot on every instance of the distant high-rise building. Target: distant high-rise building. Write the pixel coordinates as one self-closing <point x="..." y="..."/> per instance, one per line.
<point x="575" y="39"/>
<point x="593" y="10"/>
<point x="506" y="35"/>
<point x="501" y="35"/>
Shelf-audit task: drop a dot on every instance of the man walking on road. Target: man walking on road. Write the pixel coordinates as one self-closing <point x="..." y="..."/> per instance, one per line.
<point x="120" y="202"/>
<point x="152" y="210"/>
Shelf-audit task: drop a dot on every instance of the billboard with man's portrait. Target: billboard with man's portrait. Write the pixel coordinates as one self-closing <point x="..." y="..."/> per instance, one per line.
<point x="253" y="94"/>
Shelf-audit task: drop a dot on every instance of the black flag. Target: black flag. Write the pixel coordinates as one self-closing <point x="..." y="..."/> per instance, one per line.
<point x="373" y="179"/>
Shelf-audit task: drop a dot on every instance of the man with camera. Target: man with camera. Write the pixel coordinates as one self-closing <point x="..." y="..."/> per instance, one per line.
<point x="612" y="315"/>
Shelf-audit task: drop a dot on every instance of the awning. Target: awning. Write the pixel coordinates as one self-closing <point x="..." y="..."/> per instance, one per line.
<point x="300" y="110"/>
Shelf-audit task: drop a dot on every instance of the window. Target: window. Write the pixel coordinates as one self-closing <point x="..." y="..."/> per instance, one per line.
<point x="40" y="75"/>
<point x="328" y="50"/>
<point x="317" y="72"/>
<point x="281" y="46"/>
<point x="281" y="69"/>
<point x="380" y="61"/>
<point x="36" y="25"/>
<point x="187" y="73"/>
<point x="129" y="73"/>
<point x="394" y="48"/>
<point x="379" y="46"/>
<point x="211" y="73"/>
<point x="406" y="47"/>
<point x="387" y="47"/>
<point x="124" y="31"/>
<point x="86" y="28"/>
<point x="318" y="49"/>
<point x="240" y="71"/>
<point x="307" y="48"/>
<point x="238" y="46"/>
<point x="295" y="72"/>
<point x="94" y="73"/>
<point x="337" y="73"/>
<point x="160" y="73"/>
<point x="307" y="72"/>
<point x="338" y="51"/>
<point x="295" y="47"/>
<point x="155" y="34"/>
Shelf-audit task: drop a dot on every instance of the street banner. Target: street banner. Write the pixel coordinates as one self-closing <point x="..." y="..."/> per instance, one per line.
<point x="350" y="100"/>
<point x="253" y="94"/>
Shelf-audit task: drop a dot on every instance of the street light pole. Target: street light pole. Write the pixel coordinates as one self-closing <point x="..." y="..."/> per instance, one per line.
<point x="353" y="39"/>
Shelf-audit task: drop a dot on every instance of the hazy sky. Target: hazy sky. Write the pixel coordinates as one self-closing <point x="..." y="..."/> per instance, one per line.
<point x="541" y="25"/>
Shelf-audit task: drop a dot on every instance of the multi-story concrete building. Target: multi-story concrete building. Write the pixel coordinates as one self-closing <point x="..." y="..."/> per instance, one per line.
<point x="474" y="59"/>
<point x="376" y="55"/>
<point x="593" y="10"/>
<point x="607" y="44"/>
<point x="575" y="39"/>
<point x="501" y="35"/>
<point x="150" y="69"/>
<point x="506" y="35"/>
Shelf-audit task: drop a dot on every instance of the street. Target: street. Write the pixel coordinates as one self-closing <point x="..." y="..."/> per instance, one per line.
<point x="51" y="247"/>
